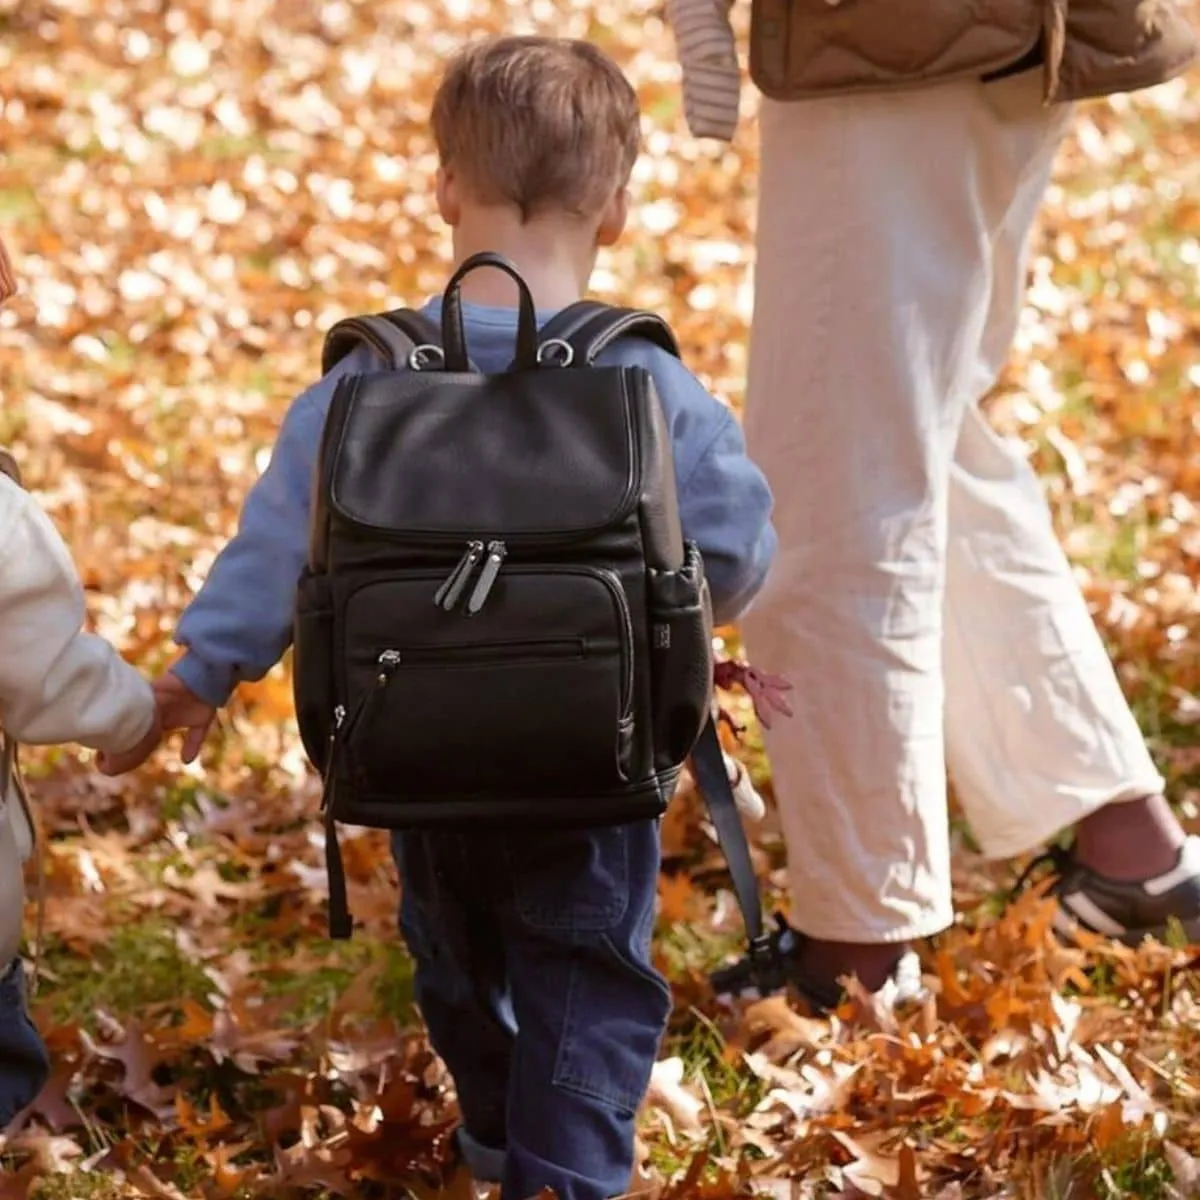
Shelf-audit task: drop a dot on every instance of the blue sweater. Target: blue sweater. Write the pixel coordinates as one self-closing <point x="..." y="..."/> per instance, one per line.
<point x="240" y="622"/>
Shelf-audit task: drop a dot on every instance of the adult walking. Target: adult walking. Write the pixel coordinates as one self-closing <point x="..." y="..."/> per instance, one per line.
<point x="921" y="604"/>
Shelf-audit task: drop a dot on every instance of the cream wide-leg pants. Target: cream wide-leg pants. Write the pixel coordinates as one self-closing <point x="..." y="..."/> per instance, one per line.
<point x="921" y="604"/>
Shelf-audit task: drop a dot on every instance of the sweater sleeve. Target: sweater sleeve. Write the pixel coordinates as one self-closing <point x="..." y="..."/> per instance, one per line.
<point x="240" y="622"/>
<point x="57" y="682"/>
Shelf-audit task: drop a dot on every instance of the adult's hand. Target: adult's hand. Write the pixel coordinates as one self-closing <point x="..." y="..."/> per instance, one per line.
<point x="131" y="759"/>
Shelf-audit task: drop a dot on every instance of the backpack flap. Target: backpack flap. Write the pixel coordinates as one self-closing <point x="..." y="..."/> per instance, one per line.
<point x="560" y="456"/>
<point x="540" y="434"/>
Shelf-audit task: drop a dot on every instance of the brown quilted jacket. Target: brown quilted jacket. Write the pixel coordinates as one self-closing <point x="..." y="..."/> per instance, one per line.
<point x="802" y="48"/>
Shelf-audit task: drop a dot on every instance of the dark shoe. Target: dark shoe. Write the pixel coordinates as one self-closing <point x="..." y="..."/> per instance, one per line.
<point x="1164" y="908"/>
<point x="776" y="966"/>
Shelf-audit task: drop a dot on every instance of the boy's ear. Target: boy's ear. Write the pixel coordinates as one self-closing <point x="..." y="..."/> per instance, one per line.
<point x="448" y="201"/>
<point x="613" y="218"/>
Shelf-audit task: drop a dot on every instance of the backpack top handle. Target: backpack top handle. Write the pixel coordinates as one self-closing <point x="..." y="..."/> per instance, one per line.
<point x="454" y="338"/>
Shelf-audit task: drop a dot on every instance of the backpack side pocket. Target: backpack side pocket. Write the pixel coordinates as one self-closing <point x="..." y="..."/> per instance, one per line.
<point x="681" y="658"/>
<point x="312" y="666"/>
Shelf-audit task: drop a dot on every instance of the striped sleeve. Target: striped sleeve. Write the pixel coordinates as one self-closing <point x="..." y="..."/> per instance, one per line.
<point x="707" y="52"/>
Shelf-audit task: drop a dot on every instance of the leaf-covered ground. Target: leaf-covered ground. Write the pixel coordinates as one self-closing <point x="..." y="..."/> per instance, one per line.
<point x="192" y="193"/>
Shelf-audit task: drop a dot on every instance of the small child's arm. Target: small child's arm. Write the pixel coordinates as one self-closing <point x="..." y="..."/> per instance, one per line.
<point x="240" y="622"/>
<point x="725" y="507"/>
<point x="57" y="682"/>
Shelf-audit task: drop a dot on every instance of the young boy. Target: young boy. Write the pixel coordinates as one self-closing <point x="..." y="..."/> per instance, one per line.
<point x="57" y="684"/>
<point x="533" y="967"/>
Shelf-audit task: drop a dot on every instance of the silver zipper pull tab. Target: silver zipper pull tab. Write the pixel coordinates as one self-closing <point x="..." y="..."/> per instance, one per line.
<point x="497" y="552"/>
<point x="449" y="594"/>
<point x="388" y="663"/>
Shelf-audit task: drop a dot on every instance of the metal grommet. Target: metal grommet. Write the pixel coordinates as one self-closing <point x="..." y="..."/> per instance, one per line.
<point x="426" y="355"/>
<point x="563" y="356"/>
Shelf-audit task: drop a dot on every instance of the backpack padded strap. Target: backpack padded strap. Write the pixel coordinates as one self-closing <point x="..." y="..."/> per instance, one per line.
<point x="588" y="327"/>
<point x="392" y="335"/>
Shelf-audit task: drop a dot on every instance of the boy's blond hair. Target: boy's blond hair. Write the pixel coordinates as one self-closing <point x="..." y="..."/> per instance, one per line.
<point x="538" y="122"/>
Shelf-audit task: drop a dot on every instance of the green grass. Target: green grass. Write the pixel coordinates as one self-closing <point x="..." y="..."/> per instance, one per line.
<point x="18" y="204"/>
<point x="78" y="1185"/>
<point x="233" y="146"/>
<point x="313" y="993"/>
<point x="685" y="946"/>
<point x="1134" y="1168"/>
<point x="139" y="966"/>
<point x="703" y="1051"/>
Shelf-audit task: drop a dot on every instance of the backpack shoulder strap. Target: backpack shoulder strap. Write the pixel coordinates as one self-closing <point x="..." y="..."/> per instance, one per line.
<point x="392" y="335"/>
<point x="588" y="327"/>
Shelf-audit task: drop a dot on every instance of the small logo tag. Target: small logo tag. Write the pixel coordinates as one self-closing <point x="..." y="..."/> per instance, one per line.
<point x="662" y="637"/>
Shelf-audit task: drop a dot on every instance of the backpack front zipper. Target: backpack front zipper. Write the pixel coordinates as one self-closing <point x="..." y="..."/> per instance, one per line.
<point x="470" y="654"/>
<point x="449" y="594"/>
<point x="497" y="551"/>
<point x="345" y="726"/>
<point x="455" y="584"/>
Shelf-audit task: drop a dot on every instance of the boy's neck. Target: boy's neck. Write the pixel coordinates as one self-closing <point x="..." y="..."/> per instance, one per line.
<point x="555" y="258"/>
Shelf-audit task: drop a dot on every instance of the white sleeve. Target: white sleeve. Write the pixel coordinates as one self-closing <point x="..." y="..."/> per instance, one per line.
<point x="57" y="683"/>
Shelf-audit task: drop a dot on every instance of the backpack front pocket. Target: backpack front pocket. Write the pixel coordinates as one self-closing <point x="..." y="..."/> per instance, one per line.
<point x="531" y="694"/>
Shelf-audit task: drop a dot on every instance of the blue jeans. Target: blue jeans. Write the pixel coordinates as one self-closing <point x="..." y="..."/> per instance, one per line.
<point x="23" y="1062"/>
<point x="533" y="975"/>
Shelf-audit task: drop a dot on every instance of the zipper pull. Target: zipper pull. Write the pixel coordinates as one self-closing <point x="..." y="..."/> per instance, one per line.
<point x="331" y="762"/>
<point x="497" y="551"/>
<point x="388" y="663"/>
<point x="449" y="594"/>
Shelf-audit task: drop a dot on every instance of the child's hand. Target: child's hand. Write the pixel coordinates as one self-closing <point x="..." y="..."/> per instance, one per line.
<point x="131" y="759"/>
<point x="181" y="708"/>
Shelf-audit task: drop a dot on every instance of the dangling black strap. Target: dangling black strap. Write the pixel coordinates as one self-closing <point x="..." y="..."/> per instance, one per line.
<point x="708" y="767"/>
<point x="341" y="923"/>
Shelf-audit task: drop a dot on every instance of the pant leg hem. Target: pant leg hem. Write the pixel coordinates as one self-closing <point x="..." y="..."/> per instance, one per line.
<point x="486" y="1162"/>
<point x="864" y="934"/>
<point x="1054" y="820"/>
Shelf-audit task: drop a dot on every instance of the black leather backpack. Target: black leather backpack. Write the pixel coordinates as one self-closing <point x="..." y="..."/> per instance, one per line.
<point x="500" y="622"/>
